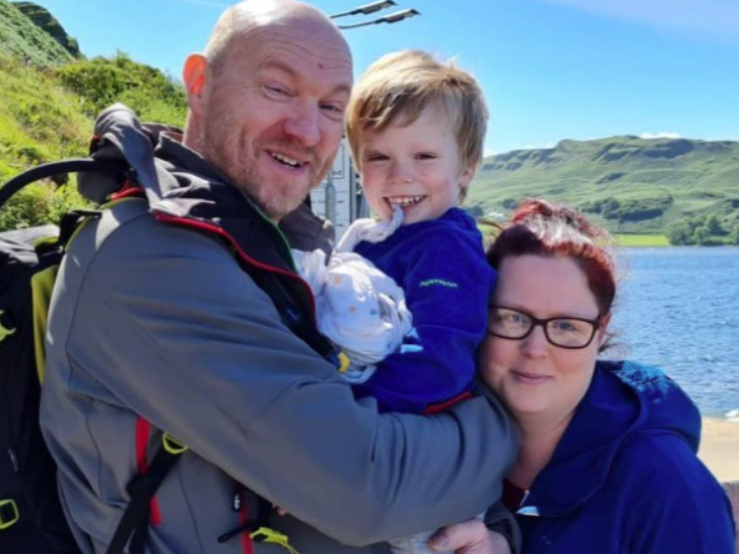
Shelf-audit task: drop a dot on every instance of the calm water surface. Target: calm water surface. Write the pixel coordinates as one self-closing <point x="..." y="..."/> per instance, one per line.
<point x="679" y="309"/>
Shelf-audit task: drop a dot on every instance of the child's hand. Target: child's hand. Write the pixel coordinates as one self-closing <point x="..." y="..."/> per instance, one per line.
<point x="469" y="537"/>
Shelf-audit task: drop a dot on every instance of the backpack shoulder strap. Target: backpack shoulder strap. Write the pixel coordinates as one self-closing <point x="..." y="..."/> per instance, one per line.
<point x="76" y="165"/>
<point x="134" y="523"/>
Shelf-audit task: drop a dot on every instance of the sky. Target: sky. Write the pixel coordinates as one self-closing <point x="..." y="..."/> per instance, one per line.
<point x="550" y="69"/>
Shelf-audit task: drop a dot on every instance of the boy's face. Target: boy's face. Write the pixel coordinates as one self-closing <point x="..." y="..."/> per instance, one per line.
<point x="416" y="166"/>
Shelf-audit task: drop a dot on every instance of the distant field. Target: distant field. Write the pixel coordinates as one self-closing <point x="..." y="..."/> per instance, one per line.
<point x="621" y="239"/>
<point x="642" y="240"/>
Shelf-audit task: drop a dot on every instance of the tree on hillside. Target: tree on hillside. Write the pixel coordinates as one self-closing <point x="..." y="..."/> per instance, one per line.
<point x="681" y="232"/>
<point x="714" y="227"/>
<point x="734" y="235"/>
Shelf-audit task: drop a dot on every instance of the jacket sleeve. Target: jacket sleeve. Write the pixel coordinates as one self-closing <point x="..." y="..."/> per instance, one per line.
<point x="176" y="332"/>
<point x="447" y="286"/>
<point x="675" y="504"/>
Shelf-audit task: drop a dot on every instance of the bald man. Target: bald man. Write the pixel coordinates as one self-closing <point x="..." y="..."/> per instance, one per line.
<point x="181" y="313"/>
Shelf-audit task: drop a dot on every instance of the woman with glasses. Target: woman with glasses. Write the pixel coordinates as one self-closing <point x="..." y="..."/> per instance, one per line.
<point x="608" y="459"/>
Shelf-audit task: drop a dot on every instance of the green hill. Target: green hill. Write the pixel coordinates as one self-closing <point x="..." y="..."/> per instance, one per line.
<point x="49" y="98"/>
<point x="632" y="185"/>
<point x="42" y="18"/>
<point x="23" y="39"/>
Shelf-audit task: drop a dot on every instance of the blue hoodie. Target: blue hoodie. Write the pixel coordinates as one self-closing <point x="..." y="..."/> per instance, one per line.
<point x="441" y="266"/>
<point x="625" y="478"/>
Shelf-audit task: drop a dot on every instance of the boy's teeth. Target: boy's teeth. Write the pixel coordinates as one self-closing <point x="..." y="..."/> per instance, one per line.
<point x="405" y="201"/>
<point x="286" y="160"/>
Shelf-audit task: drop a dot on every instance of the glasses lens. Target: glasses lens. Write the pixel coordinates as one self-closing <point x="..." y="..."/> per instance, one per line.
<point x="508" y="324"/>
<point x="570" y="333"/>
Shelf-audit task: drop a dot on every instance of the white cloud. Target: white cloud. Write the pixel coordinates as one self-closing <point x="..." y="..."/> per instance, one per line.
<point x="714" y="17"/>
<point x="660" y="135"/>
<point x="490" y="152"/>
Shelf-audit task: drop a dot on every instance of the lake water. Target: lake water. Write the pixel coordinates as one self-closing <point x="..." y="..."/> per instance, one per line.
<point x="679" y="309"/>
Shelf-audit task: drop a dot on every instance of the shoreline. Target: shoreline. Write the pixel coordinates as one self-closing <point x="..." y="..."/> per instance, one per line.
<point x="719" y="449"/>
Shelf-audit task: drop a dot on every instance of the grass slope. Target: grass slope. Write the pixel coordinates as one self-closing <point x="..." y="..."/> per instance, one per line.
<point x="42" y="18"/>
<point x="39" y="119"/>
<point x="642" y="240"/>
<point x="22" y="39"/>
<point x="48" y="101"/>
<point x="655" y="181"/>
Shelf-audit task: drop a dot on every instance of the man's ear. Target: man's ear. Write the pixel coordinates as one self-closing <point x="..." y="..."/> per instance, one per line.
<point x="193" y="76"/>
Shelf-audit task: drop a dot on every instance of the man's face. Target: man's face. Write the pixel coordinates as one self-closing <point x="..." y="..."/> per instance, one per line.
<point x="273" y="116"/>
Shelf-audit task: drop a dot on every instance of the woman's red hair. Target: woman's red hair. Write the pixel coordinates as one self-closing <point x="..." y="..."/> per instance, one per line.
<point x="543" y="229"/>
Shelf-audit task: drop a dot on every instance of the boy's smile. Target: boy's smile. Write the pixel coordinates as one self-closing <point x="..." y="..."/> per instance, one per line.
<point x="405" y="202"/>
<point x="416" y="166"/>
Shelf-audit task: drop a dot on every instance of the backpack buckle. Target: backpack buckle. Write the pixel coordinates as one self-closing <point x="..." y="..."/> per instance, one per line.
<point x="9" y="515"/>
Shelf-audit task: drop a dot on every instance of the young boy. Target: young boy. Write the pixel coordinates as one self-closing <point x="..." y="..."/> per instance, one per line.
<point x="416" y="129"/>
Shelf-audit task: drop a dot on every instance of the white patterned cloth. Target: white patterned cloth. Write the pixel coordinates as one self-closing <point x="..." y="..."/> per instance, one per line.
<point x="369" y="230"/>
<point x="359" y="308"/>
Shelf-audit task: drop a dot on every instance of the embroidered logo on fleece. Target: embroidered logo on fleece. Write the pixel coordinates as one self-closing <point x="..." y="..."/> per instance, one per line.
<point x="439" y="283"/>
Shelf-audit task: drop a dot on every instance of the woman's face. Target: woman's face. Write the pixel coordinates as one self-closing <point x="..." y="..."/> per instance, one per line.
<point x="532" y="376"/>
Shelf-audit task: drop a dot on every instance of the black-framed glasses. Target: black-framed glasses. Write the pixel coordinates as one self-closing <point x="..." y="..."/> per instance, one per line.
<point x="565" y="332"/>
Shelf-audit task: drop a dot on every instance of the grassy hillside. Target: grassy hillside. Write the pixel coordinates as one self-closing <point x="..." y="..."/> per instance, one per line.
<point x="42" y="18"/>
<point x="48" y="101"/>
<point x="26" y="41"/>
<point x="632" y="185"/>
<point x="40" y="120"/>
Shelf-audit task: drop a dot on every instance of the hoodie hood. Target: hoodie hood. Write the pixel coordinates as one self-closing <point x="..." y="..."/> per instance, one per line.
<point x="625" y="401"/>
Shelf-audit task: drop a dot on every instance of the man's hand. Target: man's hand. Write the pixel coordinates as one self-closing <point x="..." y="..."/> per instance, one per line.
<point x="469" y="537"/>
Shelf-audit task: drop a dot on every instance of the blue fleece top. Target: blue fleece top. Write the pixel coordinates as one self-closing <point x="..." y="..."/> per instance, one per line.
<point x="441" y="266"/>
<point x="625" y="478"/>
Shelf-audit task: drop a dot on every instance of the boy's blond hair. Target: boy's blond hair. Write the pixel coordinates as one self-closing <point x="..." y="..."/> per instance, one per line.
<point x="399" y="86"/>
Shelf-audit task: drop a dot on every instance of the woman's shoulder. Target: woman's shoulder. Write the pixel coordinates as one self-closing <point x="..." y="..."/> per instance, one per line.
<point x="661" y="457"/>
<point x="673" y="500"/>
<point x="666" y="478"/>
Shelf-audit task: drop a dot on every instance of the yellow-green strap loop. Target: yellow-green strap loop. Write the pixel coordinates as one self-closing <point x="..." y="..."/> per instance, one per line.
<point x="8" y="505"/>
<point x="4" y="331"/>
<point x="172" y="445"/>
<point x="265" y="534"/>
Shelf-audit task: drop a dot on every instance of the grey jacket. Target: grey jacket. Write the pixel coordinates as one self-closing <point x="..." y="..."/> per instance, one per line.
<point x="156" y="321"/>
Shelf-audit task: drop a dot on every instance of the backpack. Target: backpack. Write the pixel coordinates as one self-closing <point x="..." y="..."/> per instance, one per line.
<point x="32" y="520"/>
<point x="31" y="517"/>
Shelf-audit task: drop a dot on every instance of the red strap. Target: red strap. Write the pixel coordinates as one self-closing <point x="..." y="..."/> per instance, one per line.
<point x="246" y="543"/>
<point x="440" y="407"/>
<point x="128" y="189"/>
<point x="143" y="430"/>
